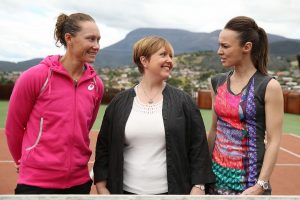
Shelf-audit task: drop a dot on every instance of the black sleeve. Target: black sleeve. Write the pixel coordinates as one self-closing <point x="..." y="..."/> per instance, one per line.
<point x="217" y="80"/>
<point x="200" y="160"/>
<point x="102" y="151"/>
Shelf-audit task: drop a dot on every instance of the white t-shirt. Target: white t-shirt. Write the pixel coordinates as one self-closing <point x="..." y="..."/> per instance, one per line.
<point x="145" y="169"/>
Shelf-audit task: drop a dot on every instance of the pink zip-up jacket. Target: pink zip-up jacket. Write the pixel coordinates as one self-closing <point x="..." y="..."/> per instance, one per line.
<point x="48" y="124"/>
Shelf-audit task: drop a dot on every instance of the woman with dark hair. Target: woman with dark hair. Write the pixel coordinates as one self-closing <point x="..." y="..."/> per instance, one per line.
<point x="52" y="110"/>
<point x="247" y="109"/>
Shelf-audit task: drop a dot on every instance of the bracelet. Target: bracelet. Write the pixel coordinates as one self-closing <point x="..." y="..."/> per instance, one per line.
<point x="263" y="184"/>
<point x="201" y="187"/>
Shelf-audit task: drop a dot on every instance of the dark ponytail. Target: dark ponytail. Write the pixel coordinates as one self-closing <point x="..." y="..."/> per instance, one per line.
<point x="263" y="51"/>
<point x="250" y="32"/>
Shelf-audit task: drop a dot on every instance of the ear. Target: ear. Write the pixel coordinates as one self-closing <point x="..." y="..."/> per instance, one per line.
<point x="247" y="47"/>
<point x="144" y="61"/>
<point x="68" y="39"/>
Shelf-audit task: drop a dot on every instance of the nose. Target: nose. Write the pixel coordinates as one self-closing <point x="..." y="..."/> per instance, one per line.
<point x="220" y="51"/>
<point x="169" y="59"/>
<point x="96" y="45"/>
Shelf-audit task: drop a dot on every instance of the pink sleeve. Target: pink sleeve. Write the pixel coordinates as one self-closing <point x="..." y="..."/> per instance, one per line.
<point x="21" y="102"/>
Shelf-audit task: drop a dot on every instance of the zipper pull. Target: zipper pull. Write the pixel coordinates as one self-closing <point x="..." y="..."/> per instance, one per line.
<point x="75" y="82"/>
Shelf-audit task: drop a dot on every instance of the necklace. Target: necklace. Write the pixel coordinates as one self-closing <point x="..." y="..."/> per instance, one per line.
<point x="76" y="78"/>
<point x="150" y="99"/>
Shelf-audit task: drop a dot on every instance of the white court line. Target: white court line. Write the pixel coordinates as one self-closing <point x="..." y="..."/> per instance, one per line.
<point x="296" y="136"/>
<point x="6" y="161"/>
<point x="290" y="152"/>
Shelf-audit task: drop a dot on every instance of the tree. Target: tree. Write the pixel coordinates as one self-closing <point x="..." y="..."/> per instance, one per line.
<point x="176" y="82"/>
<point x="298" y="58"/>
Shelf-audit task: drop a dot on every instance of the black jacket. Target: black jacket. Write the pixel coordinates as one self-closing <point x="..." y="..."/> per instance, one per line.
<point x="188" y="160"/>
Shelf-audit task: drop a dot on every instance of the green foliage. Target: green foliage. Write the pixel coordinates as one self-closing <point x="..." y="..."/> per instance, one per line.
<point x="291" y="123"/>
<point x="279" y="63"/>
<point x="3" y="113"/>
<point x="209" y="60"/>
<point x="4" y="80"/>
<point x="175" y="81"/>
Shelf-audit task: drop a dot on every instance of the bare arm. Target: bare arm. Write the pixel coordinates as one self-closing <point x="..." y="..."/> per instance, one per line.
<point x="197" y="191"/>
<point x="274" y="120"/>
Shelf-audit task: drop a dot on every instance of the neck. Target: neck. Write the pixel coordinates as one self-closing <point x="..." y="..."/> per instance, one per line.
<point x="74" y="69"/>
<point x="150" y="91"/>
<point x="244" y="70"/>
<point x="150" y="85"/>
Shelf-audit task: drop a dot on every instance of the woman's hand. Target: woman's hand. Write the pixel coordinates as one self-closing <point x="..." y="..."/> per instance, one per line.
<point x="197" y="191"/>
<point x="101" y="188"/>
<point x="17" y="166"/>
<point x="103" y="191"/>
<point x="254" y="190"/>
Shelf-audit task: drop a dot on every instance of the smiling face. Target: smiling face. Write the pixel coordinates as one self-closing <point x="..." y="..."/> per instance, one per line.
<point x="160" y="64"/>
<point x="84" y="45"/>
<point x="153" y="52"/>
<point x="230" y="50"/>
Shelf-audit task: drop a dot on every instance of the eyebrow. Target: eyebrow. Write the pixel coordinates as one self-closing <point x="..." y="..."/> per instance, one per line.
<point x="222" y="43"/>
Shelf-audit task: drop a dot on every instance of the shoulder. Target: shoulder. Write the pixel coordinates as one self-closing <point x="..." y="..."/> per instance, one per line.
<point x="169" y="88"/>
<point x="35" y="75"/>
<point x="219" y="79"/>
<point x="274" y="100"/>
<point x="100" y="85"/>
<point x="174" y="92"/>
<point x="273" y="86"/>
<point x="264" y="83"/>
<point x="99" y="81"/>
<point x="92" y="73"/>
<point x="125" y="93"/>
<point x="178" y="96"/>
<point x="120" y="101"/>
<point x="122" y="97"/>
<point x="30" y="82"/>
<point x="273" y="91"/>
<point x="221" y="75"/>
<point x="36" y="71"/>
